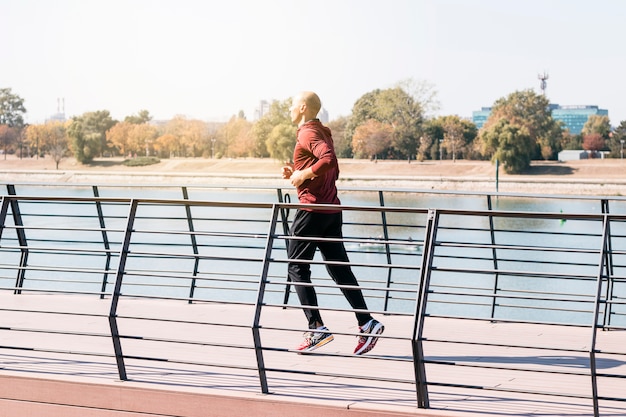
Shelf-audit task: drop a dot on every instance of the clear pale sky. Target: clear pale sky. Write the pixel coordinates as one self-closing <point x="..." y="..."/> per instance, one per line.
<point x="209" y="59"/>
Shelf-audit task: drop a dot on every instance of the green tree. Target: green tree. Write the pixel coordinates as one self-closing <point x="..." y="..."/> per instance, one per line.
<point x="281" y="141"/>
<point x="343" y="148"/>
<point x="140" y="118"/>
<point x="512" y="145"/>
<point x="12" y="109"/>
<point x="617" y="140"/>
<point x="88" y="135"/>
<point x="530" y="114"/>
<point x="455" y="135"/>
<point x="393" y="107"/>
<point x="278" y="114"/>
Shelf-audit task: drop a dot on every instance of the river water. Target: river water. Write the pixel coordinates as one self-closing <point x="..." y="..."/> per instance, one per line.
<point x="406" y="227"/>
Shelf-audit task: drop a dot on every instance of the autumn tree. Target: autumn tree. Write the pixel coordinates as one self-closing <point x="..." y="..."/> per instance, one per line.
<point x="192" y="136"/>
<point x="371" y="139"/>
<point x="166" y="145"/>
<point x="393" y="107"/>
<point x="118" y="137"/>
<point x="236" y="137"/>
<point x="49" y="138"/>
<point x="597" y="124"/>
<point x="8" y="136"/>
<point x="424" y="146"/>
<point x="593" y="142"/>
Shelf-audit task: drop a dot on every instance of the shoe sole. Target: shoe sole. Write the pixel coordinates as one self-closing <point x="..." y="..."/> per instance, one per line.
<point x="371" y="340"/>
<point x="319" y="344"/>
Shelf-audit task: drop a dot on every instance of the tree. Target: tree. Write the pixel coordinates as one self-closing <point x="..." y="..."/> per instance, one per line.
<point x="457" y="135"/>
<point x="281" y="141"/>
<point x="371" y="139"/>
<point x="278" y="114"/>
<point x="8" y="136"/>
<point x="343" y="148"/>
<point x="511" y="144"/>
<point x="396" y="108"/>
<point x="597" y="124"/>
<point x="12" y="109"/>
<point x="88" y="135"/>
<point x="166" y="145"/>
<point x="617" y="140"/>
<point x="193" y="137"/>
<point x="423" y="149"/>
<point x="49" y="138"/>
<point x="527" y="117"/>
<point x="593" y="142"/>
<point x="236" y="137"/>
<point x="142" y="117"/>
<point x="118" y="137"/>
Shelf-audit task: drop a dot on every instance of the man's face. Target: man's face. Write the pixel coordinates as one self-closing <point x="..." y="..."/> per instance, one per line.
<point x="296" y="109"/>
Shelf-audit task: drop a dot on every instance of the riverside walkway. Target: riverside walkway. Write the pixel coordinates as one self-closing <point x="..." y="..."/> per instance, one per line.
<point x="116" y="306"/>
<point x="210" y="370"/>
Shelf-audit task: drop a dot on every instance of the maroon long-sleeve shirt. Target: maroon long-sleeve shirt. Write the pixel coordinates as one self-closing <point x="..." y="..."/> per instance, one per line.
<point x="315" y="149"/>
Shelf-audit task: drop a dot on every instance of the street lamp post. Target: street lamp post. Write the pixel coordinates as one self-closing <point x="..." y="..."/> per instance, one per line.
<point x="621" y="151"/>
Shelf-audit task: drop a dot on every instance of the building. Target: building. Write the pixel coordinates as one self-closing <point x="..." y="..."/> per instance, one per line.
<point x="573" y="117"/>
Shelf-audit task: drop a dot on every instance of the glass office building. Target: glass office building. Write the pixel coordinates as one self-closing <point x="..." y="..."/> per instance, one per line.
<point x="573" y="117"/>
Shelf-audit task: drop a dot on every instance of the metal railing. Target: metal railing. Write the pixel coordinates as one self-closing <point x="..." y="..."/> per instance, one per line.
<point x="416" y="265"/>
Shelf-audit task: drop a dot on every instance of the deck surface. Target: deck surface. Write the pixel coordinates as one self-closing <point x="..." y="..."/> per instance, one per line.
<point x="212" y="370"/>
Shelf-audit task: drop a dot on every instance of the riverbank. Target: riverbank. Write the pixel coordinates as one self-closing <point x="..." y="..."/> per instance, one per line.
<point x="585" y="177"/>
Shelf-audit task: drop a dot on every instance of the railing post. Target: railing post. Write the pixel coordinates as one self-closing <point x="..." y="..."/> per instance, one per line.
<point x="608" y="263"/>
<point x="194" y="244"/>
<point x="21" y="238"/>
<point x="284" y="217"/>
<point x="494" y="256"/>
<point x="383" y="214"/>
<point x="256" y="334"/>
<point x="420" y="309"/>
<point x="117" y="291"/>
<point x="105" y="242"/>
<point x="4" y="209"/>
<point x="596" y="315"/>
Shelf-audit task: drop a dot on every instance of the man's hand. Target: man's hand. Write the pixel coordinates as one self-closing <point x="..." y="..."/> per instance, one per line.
<point x="287" y="171"/>
<point x="298" y="177"/>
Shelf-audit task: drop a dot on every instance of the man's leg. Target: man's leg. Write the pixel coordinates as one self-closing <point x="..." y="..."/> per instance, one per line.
<point x="300" y="272"/>
<point x="342" y="274"/>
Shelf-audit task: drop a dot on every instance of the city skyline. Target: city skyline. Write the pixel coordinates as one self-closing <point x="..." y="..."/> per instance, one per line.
<point x="209" y="60"/>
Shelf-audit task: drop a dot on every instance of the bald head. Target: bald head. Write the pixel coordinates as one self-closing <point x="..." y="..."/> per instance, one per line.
<point x="305" y="106"/>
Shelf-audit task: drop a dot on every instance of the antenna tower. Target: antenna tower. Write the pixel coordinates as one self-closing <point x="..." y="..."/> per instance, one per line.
<point x="544" y="78"/>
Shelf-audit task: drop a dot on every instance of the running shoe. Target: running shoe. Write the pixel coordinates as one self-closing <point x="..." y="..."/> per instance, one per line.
<point x="368" y="337"/>
<point x="315" y="339"/>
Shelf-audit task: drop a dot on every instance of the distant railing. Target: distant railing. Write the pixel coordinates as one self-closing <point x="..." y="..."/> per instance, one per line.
<point x="560" y="270"/>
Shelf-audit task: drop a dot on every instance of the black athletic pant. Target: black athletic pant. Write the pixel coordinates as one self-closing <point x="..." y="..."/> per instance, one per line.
<point x="326" y="225"/>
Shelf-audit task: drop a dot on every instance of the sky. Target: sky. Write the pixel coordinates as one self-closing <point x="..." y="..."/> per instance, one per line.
<point x="210" y="59"/>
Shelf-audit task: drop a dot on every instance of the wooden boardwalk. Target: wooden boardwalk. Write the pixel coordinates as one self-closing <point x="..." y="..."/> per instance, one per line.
<point x="180" y="363"/>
